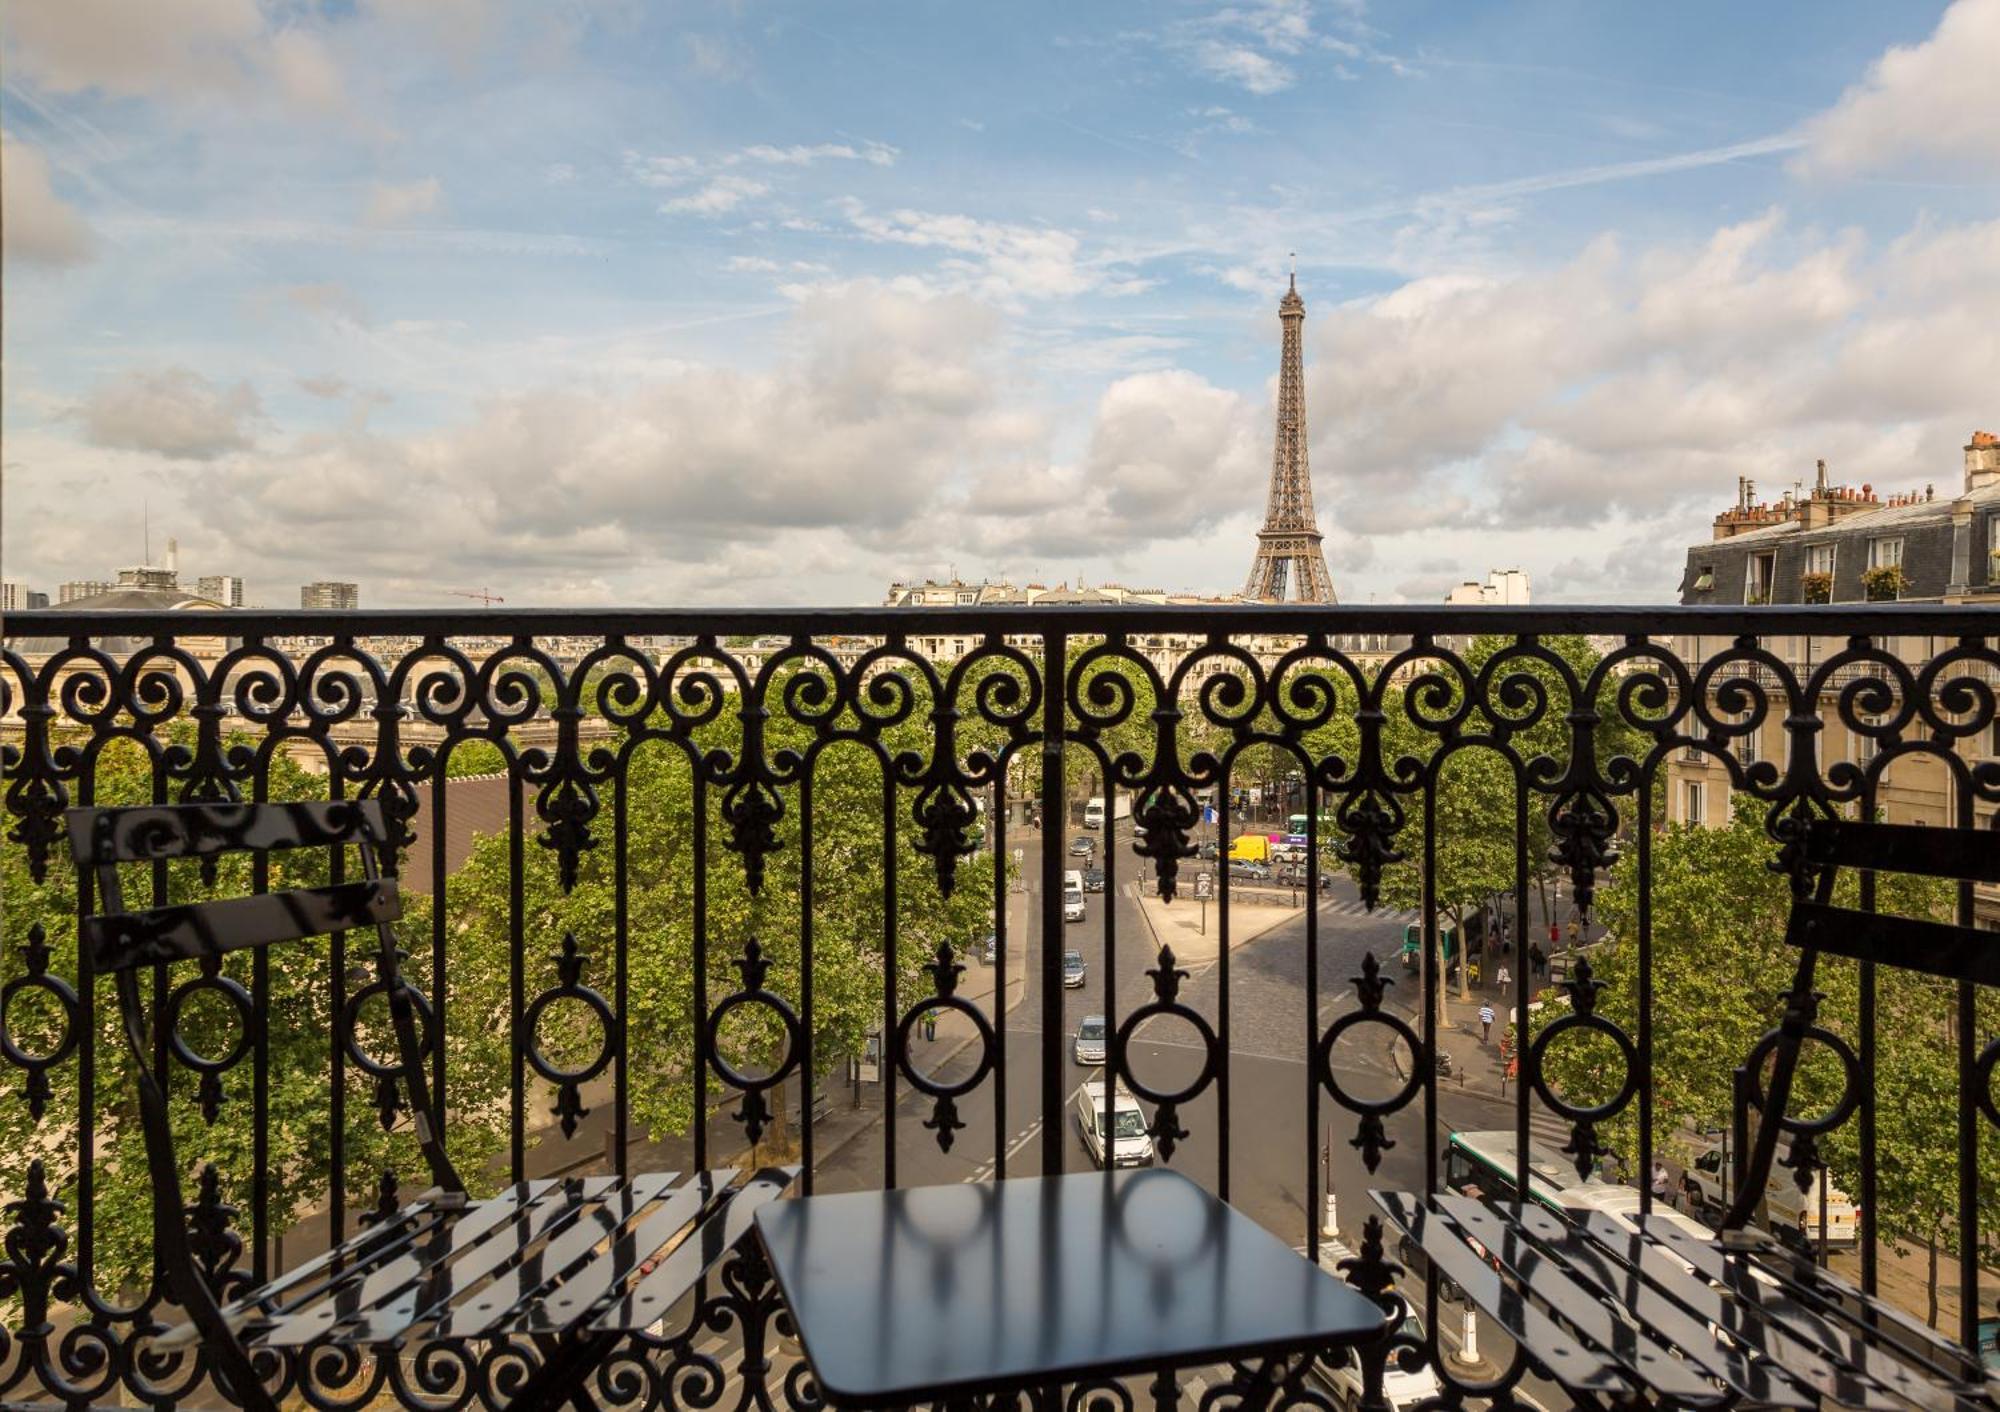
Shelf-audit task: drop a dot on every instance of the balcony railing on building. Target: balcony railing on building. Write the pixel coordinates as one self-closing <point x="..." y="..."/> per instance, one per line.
<point x="688" y="874"/>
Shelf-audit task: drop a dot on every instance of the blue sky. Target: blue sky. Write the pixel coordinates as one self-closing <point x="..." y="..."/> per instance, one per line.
<point x="773" y="302"/>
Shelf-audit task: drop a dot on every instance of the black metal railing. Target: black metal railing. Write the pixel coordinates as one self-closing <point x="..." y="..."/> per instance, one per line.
<point x="697" y="878"/>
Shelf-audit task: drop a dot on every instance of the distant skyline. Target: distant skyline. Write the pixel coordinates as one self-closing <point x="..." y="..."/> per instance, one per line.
<point x="772" y="303"/>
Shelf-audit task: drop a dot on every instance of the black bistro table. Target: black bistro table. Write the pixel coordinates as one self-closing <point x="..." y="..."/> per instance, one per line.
<point x="946" y="1293"/>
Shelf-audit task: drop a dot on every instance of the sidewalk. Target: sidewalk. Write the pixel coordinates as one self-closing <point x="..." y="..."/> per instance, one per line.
<point x="1194" y="930"/>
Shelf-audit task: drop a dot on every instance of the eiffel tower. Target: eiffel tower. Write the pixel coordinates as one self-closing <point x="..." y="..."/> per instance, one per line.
<point x="1288" y="545"/>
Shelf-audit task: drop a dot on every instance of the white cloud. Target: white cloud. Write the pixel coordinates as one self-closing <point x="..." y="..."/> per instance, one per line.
<point x="1000" y="260"/>
<point x="41" y="228"/>
<point x="163" y="47"/>
<point x="879" y="154"/>
<point x="1639" y="385"/>
<point x="173" y="412"/>
<point x="1245" y="67"/>
<point x="660" y="170"/>
<point x="1934" y="102"/>
<point x="391" y="204"/>
<point x="720" y="196"/>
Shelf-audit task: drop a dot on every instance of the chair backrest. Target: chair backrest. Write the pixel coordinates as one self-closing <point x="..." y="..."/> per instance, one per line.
<point x="102" y="839"/>
<point x="1947" y="949"/>
<point x="1911" y="943"/>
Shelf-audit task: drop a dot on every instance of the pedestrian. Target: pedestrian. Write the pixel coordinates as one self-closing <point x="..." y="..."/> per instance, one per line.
<point x="1662" y="1191"/>
<point x="1501" y="978"/>
<point x="1538" y="961"/>
<point x="930" y="1023"/>
<point x="1575" y="931"/>
<point x="1485" y="1023"/>
<point x="1690" y="1192"/>
<point x="1555" y="935"/>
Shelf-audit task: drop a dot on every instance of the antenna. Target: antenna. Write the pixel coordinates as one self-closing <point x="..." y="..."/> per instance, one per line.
<point x="1295" y="268"/>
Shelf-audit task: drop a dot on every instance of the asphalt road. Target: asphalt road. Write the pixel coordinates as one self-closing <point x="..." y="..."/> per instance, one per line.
<point x="1272" y="1158"/>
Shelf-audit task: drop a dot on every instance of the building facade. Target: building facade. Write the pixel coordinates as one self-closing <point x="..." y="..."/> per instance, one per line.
<point x="1844" y="544"/>
<point x="82" y="588"/>
<point x="330" y="595"/>
<point x="226" y="589"/>
<point x="1502" y="586"/>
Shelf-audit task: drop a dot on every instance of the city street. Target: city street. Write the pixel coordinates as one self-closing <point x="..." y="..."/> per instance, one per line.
<point x="1270" y="1155"/>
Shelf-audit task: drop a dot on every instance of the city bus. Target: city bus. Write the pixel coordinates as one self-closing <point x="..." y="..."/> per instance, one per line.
<point x="1483" y="1163"/>
<point x="1296" y="824"/>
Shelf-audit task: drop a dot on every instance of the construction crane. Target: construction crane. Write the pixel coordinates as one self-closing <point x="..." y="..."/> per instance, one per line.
<point x="486" y="600"/>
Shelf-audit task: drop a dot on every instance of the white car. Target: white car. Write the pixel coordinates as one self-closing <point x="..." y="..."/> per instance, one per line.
<point x="1340" y="1374"/>
<point x="1126" y="1140"/>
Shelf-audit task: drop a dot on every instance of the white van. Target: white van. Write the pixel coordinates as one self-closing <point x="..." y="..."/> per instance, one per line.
<point x="1124" y="1138"/>
<point x="1093" y="814"/>
<point x="1073" y="896"/>
<point x="1794" y="1214"/>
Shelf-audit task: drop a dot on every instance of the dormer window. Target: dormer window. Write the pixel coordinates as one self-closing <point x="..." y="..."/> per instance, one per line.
<point x="1704" y="578"/>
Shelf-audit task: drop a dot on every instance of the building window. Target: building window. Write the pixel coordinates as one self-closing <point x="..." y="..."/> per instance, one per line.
<point x="1704" y="579"/>
<point x="1885" y="553"/>
<point x="1864" y="748"/>
<point x="1819" y="558"/>
<point x="1746" y="748"/>
<point x="1757" y="576"/>
<point x="1693" y="812"/>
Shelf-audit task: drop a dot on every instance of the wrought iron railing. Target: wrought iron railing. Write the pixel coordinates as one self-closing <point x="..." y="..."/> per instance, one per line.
<point x="712" y="894"/>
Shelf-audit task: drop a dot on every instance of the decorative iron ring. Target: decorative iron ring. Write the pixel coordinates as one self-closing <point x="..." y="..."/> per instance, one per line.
<point x="1850" y="1089"/>
<point x="793" y="1040"/>
<point x="1600" y="1025"/>
<point x="66" y="1001"/>
<point x="1323" y="1062"/>
<point x="540" y="1063"/>
<point x="239" y="1000"/>
<point x="350" y="1016"/>
<point x="922" y="1082"/>
<point x="1988" y="1057"/>
<point x="1209" y="1045"/>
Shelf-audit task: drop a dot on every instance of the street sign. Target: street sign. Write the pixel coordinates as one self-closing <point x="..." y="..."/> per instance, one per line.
<point x="1204" y="886"/>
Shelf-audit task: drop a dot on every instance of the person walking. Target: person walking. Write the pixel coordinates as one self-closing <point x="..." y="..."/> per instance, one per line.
<point x="1555" y="934"/>
<point x="1501" y="978"/>
<point x="1538" y="961"/>
<point x="930" y="1024"/>
<point x="1662" y="1190"/>
<point x="1575" y="931"/>
<point x="1485" y="1023"/>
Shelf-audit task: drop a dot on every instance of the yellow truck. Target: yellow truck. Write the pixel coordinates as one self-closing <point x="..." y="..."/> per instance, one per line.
<point x="1250" y="848"/>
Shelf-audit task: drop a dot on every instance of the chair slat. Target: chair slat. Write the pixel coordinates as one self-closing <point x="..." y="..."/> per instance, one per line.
<point x="482" y="1240"/>
<point x="566" y="1251"/>
<point x="142" y="834"/>
<point x="1793" y="1306"/>
<point x="1971" y="855"/>
<point x="620" y="1260"/>
<point x="1645" y="1361"/>
<point x="1659" y="1294"/>
<point x="1570" y="1360"/>
<point x="191" y="930"/>
<point x="1934" y="948"/>
<point x="649" y="1300"/>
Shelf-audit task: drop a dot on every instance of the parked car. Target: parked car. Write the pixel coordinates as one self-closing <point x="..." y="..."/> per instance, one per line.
<point x="1249" y="872"/>
<point x="1124" y="1139"/>
<point x="1072" y="969"/>
<point x="1207" y="850"/>
<point x="1093" y="879"/>
<point x="1083" y="846"/>
<point x="1091" y="1035"/>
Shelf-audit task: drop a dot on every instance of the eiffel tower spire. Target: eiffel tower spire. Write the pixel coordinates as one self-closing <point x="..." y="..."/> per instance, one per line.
<point x="1288" y="547"/>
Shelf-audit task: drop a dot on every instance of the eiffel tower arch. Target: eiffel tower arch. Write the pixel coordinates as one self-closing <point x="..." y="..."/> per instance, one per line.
<point x="1288" y="547"/>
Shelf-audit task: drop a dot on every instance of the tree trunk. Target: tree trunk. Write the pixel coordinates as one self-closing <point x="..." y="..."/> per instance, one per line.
<point x="1464" y="957"/>
<point x="1932" y="1317"/>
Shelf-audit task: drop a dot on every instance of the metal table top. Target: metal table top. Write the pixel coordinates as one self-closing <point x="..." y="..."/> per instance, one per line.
<point x="907" y="1295"/>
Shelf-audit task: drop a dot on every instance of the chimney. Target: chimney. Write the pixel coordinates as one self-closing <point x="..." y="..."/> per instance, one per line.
<point x="1982" y="461"/>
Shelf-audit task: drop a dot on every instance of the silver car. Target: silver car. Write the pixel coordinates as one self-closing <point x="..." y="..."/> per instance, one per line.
<point x="1091" y="1035"/>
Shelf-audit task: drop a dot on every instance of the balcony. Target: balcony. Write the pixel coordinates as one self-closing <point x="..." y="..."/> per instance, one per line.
<point x="698" y="885"/>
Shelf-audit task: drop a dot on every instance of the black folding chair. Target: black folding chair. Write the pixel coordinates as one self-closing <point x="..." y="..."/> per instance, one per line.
<point x="1665" y="1317"/>
<point x="563" y="1268"/>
